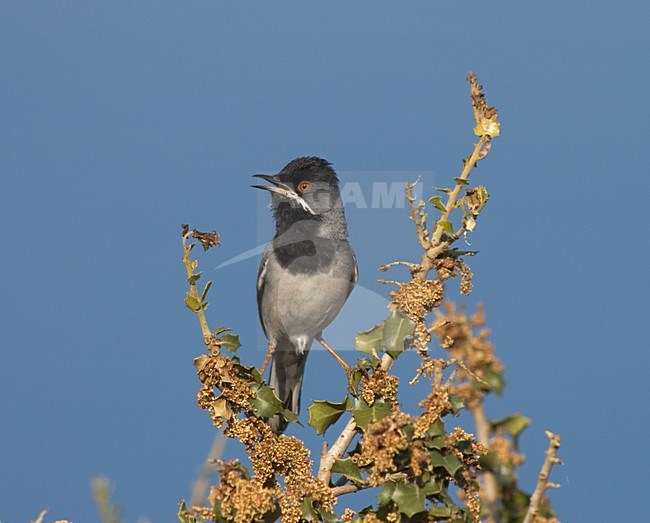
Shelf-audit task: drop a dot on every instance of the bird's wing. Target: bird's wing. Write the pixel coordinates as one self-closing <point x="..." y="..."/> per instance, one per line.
<point x="261" y="282"/>
<point x="354" y="278"/>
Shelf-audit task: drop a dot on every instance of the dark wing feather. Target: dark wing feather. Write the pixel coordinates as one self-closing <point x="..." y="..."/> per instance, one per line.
<point x="261" y="282"/>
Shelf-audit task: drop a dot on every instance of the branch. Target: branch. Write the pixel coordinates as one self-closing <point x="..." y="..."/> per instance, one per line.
<point x="468" y="165"/>
<point x="190" y="265"/>
<point x="542" y="482"/>
<point x="491" y="487"/>
<point x="342" y="443"/>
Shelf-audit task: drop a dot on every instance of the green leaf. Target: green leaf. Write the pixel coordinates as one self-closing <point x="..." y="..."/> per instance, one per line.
<point x="230" y="341"/>
<point x="386" y="494"/>
<point x="368" y="340"/>
<point x="432" y="486"/>
<point x="323" y="414"/>
<point x="460" y="181"/>
<point x="327" y="517"/>
<point x="410" y="498"/>
<point x="513" y="425"/>
<point x="436" y="435"/>
<point x="456" y="403"/>
<point x="364" y="413"/>
<point x="307" y="509"/>
<point x="440" y="511"/>
<point x="446" y="226"/>
<point x="183" y="515"/>
<point x="265" y="403"/>
<point x="205" y="290"/>
<point x="193" y="303"/>
<point x="495" y="381"/>
<point x="436" y="201"/>
<point x="355" y="379"/>
<point x="397" y="327"/>
<point x="447" y="461"/>
<point x="348" y="468"/>
<point x="194" y="277"/>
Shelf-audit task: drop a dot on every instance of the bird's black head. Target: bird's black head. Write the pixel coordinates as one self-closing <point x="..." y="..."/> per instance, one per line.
<point x="307" y="187"/>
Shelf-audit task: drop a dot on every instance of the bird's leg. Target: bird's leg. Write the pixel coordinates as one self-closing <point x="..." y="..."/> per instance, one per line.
<point x="329" y="349"/>
<point x="269" y="354"/>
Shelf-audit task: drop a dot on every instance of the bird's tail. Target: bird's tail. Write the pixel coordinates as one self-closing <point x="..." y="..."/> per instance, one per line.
<point x="287" y="369"/>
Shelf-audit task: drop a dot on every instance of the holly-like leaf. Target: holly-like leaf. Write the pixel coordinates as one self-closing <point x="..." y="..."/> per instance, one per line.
<point x="446" y="226"/>
<point x="447" y="461"/>
<point x="230" y="341"/>
<point x="194" y="277"/>
<point x="432" y="486"/>
<point x="193" y="303"/>
<point x="397" y="328"/>
<point x="307" y="509"/>
<point x="513" y="425"/>
<point x="323" y="414"/>
<point x="205" y="290"/>
<point x="265" y="403"/>
<point x="386" y="494"/>
<point x="456" y="403"/>
<point x="364" y="413"/>
<point x="410" y="498"/>
<point x="440" y="511"/>
<point x="327" y="517"/>
<point x="435" y="435"/>
<point x="183" y="515"/>
<point x="436" y="201"/>
<point x="495" y="381"/>
<point x="368" y="340"/>
<point x="347" y="468"/>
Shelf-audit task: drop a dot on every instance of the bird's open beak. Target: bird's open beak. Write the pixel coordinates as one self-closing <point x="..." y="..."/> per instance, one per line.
<point x="282" y="189"/>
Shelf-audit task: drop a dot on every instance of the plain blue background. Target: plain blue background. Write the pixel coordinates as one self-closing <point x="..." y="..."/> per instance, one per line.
<point x="121" y="120"/>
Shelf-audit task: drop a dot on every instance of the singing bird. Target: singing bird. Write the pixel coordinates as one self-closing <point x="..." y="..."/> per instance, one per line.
<point x="306" y="274"/>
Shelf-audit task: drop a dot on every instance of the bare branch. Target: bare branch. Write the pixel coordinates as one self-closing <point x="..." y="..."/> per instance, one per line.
<point x="542" y="482"/>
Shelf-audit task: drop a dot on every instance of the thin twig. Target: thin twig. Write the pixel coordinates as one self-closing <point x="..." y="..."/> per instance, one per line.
<point x="412" y="266"/>
<point x="542" y="482"/>
<point x="469" y="164"/>
<point x="189" y="269"/>
<point x="417" y="216"/>
<point x="41" y="516"/>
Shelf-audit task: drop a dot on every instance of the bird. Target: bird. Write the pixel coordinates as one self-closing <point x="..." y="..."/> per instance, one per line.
<point x="306" y="274"/>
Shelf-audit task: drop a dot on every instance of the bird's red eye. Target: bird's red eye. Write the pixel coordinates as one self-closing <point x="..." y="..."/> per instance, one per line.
<point x="304" y="187"/>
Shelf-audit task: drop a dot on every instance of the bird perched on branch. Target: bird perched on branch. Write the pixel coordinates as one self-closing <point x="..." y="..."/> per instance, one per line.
<point x="306" y="274"/>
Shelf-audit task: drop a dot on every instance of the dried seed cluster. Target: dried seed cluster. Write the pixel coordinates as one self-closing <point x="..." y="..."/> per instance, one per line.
<point x="502" y="447"/>
<point x="379" y="384"/>
<point x="382" y="441"/>
<point x="218" y="371"/>
<point x="434" y="405"/>
<point x="457" y="335"/>
<point x="417" y="297"/>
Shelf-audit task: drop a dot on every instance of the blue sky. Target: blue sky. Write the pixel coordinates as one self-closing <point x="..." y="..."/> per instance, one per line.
<point x="121" y="120"/>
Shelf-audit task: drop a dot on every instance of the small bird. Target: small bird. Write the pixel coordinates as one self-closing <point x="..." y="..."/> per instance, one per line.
<point x="306" y="274"/>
